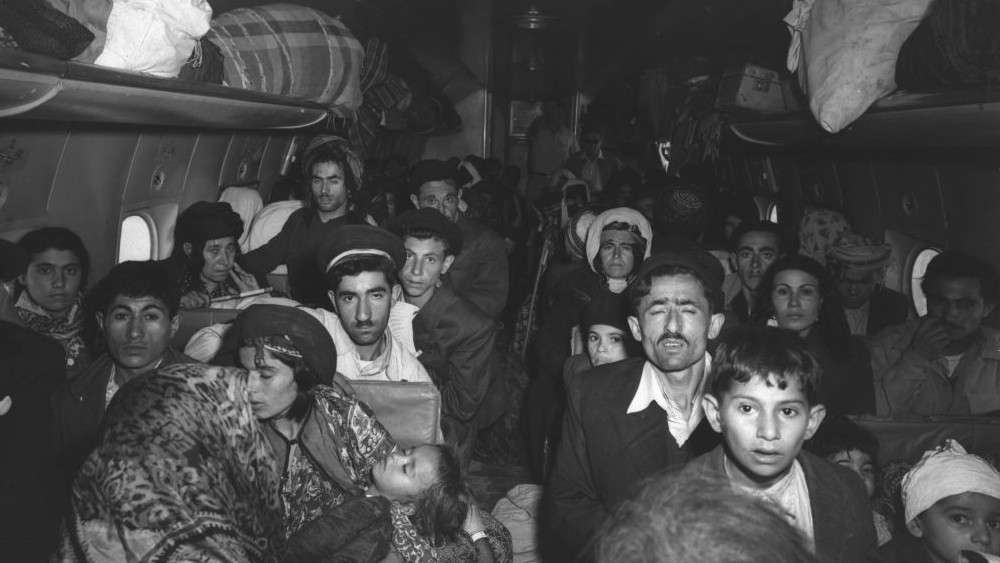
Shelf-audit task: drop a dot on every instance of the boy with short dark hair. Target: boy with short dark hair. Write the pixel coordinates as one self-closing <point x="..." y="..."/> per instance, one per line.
<point x="762" y="396"/>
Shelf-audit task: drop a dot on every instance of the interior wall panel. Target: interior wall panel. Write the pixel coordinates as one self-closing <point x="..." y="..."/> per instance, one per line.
<point x="971" y="194"/>
<point x="243" y="159"/>
<point x="88" y="187"/>
<point x="29" y="159"/>
<point x="158" y="168"/>
<point x="911" y="197"/>
<point x="861" y="198"/>
<point x="204" y="173"/>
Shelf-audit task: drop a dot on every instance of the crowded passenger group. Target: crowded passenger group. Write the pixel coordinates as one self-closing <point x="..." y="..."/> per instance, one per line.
<point x="678" y="379"/>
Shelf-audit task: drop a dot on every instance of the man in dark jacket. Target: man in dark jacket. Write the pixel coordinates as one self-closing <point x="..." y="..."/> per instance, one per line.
<point x="334" y="176"/>
<point x="629" y="420"/>
<point x="31" y="366"/>
<point x="136" y="308"/>
<point x="479" y="272"/>
<point x="455" y="339"/>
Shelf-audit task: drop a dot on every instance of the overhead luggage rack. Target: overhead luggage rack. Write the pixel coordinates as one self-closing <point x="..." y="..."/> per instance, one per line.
<point x="35" y="87"/>
<point x="966" y="119"/>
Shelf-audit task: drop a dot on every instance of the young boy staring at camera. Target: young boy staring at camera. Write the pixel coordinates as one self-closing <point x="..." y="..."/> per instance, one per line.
<point x="762" y="397"/>
<point x="951" y="501"/>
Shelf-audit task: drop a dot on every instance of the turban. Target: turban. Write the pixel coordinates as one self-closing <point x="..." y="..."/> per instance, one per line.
<point x="626" y="215"/>
<point x="819" y="229"/>
<point x="286" y="330"/>
<point x="431" y="221"/>
<point x="360" y="240"/>
<point x="859" y="253"/>
<point x="341" y="144"/>
<point x="943" y="472"/>
<point x="206" y="221"/>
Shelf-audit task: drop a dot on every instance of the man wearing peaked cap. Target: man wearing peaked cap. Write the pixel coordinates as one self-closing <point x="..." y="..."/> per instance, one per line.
<point x="368" y="322"/>
<point x="456" y="340"/>
<point x="628" y="420"/>
<point x="479" y="272"/>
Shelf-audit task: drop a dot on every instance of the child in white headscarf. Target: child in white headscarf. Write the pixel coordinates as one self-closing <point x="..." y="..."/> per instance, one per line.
<point x="952" y="509"/>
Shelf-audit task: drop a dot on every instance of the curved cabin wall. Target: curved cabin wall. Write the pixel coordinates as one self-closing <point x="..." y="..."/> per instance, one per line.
<point x="89" y="178"/>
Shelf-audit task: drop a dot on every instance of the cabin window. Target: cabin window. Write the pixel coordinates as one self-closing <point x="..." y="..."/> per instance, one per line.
<point x="772" y="212"/>
<point x="920" y="262"/>
<point x="136" y="242"/>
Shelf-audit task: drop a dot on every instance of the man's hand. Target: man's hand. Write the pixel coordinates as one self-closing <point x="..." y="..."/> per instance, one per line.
<point x="473" y="519"/>
<point x="244" y="280"/>
<point x="930" y="338"/>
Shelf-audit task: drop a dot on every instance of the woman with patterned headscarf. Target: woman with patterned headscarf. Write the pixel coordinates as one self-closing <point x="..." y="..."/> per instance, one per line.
<point x="326" y="441"/>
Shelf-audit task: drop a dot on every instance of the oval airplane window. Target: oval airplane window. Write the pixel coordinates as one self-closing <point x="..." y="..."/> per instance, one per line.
<point x="772" y="213"/>
<point x="920" y="262"/>
<point x="136" y="242"/>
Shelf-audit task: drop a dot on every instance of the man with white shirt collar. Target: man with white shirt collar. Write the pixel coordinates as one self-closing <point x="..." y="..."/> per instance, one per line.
<point x="361" y="265"/>
<point x="632" y="419"/>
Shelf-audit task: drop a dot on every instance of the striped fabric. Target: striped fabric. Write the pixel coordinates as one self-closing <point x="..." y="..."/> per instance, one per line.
<point x="293" y="51"/>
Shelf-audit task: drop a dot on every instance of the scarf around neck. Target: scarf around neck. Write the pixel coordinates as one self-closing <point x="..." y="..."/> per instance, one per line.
<point x="67" y="331"/>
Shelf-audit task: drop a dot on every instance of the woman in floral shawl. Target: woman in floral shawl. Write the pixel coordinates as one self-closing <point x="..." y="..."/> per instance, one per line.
<point x="182" y="474"/>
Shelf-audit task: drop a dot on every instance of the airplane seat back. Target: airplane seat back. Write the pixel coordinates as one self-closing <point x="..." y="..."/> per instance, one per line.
<point x="410" y="411"/>
<point x="193" y="320"/>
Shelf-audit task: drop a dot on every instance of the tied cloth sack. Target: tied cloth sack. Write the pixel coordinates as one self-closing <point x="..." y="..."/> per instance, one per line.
<point x="845" y="52"/>
<point x="153" y="36"/>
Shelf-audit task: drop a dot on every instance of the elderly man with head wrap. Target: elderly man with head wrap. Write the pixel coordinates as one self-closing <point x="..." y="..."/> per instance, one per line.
<point x="334" y="174"/>
<point x="858" y="265"/>
<point x="617" y="242"/>
<point x="203" y="262"/>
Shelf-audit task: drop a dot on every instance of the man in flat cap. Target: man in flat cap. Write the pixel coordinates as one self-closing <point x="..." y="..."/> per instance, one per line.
<point x="479" y="273"/>
<point x="628" y="420"/>
<point x="361" y="265"/>
<point x="455" y="339"/>
<point x="334" y="174"/>
<point x="859" y="264"/>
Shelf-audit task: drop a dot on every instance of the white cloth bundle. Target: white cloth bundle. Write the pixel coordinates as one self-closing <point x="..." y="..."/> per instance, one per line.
<point x="947" y="471"/>
<point x="154" y="36"/>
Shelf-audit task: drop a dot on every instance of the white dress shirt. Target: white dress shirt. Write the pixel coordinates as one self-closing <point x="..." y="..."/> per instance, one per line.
<point x="650" y="391"/>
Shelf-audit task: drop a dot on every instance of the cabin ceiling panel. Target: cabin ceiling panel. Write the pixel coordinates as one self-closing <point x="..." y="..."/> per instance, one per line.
<point x="158" y="168"/>
<point x="29" y="159"/>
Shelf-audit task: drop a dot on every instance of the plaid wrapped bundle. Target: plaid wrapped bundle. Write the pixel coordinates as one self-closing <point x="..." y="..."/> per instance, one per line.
<point x="291" y="51"/>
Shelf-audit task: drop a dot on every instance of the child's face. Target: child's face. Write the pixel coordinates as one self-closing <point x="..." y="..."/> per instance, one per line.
<point x="605" y="344"/>
<point x="858" y="462"/>
<point x="763" y="427"/>
<point x="406" y="473"/>
<point x="967" y="521"/>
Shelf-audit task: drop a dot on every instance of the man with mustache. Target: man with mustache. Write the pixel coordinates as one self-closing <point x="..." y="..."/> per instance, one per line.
<point x="361" y="264"/>
<point x="946" y="362"/>
<point x="136" y="307"/>
<point x="628" y="420"/>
